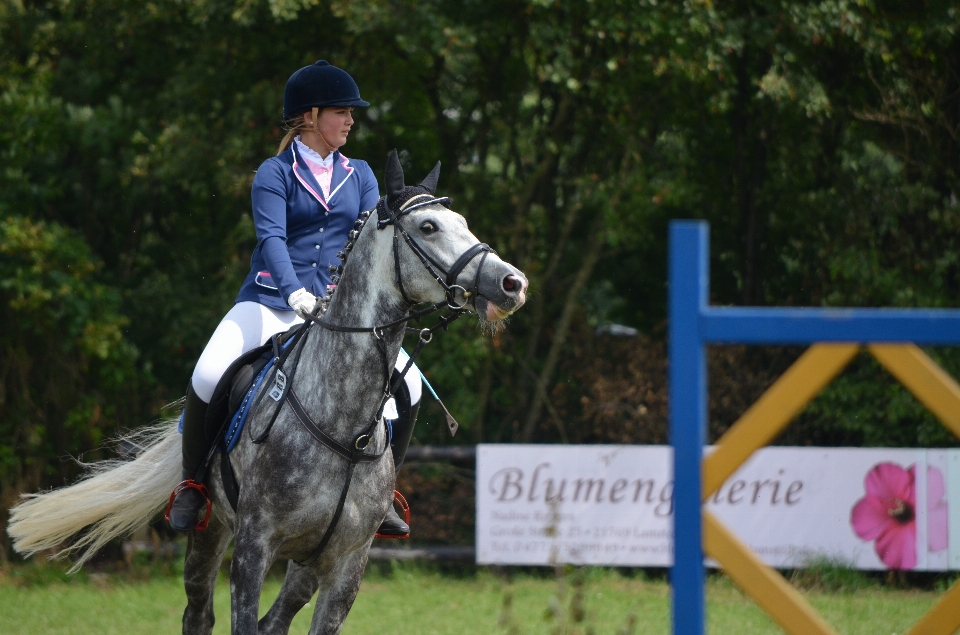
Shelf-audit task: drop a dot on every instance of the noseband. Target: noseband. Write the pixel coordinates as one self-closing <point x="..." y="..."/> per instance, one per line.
<point x="386" y="216"/>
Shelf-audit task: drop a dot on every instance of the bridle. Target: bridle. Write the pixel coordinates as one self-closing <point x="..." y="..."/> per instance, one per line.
<point x="355" y="452"/>
<point x="387" y="216"/>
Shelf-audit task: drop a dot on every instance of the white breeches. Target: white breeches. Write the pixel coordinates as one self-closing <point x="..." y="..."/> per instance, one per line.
<point x="251" y="324"/>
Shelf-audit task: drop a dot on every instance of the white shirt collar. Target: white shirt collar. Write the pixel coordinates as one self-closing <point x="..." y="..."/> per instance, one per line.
<point x="314" y="157"/>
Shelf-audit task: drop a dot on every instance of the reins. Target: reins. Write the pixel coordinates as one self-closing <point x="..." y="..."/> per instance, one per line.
<point x="355" y="453"/>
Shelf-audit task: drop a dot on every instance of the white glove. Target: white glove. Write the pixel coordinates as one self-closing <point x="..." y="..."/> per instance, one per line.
<point x="302" y="301"/>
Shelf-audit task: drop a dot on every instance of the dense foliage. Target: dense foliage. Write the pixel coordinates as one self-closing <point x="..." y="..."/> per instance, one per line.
<point x="819" y="139"/>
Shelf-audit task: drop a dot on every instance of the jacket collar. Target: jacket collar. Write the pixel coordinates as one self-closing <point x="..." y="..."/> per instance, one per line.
<point x="342" y="170"/>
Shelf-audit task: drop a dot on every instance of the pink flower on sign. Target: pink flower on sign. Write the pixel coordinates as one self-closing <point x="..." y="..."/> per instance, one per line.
<point x="887" y="514"/>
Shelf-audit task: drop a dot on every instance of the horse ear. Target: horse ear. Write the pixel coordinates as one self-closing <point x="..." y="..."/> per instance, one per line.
<point x="394" y="175"/>
<point x="430" y="183"/>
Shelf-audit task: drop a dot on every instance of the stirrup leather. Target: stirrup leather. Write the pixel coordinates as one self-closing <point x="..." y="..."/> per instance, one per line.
<point x="398" y="497"/>
<point x="200" y="487"/>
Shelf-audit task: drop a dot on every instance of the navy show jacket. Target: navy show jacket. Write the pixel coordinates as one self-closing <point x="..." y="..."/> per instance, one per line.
<point x="289" y="209"/>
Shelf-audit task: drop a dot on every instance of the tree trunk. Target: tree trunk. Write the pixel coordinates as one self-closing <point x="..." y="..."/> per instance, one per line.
<point x="597" y="240"/>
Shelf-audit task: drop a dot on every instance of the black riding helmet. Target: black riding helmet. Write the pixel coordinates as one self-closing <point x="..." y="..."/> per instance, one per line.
<point x="319" y="85"/>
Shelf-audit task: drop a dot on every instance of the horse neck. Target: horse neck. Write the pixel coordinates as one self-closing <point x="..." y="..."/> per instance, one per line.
<point x="341" y="375"/>
<point x="367" y="294"/>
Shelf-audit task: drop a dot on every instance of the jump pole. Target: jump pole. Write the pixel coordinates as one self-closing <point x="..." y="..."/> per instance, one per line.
<point x="693" y="325"/>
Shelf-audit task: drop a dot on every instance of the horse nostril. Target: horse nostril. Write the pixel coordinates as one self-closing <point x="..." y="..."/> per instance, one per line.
<point x="511" y="284"/>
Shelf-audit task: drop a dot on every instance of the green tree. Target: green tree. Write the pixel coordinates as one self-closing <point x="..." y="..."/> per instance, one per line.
<point x="65" y="365"/>
<point x="820" y="141"/>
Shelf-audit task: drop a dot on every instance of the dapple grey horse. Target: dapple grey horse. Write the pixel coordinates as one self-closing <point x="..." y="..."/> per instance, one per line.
<point x="290" y="485"/>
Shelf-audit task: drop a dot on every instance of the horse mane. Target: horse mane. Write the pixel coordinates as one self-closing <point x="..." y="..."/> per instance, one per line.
<point x="337" y="270"/>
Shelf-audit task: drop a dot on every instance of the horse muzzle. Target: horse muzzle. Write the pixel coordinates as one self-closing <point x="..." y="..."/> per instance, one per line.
<point x="502" y="290"/>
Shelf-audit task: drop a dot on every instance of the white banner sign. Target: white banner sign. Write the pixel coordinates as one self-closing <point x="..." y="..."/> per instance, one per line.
<point x="613" y="505"/>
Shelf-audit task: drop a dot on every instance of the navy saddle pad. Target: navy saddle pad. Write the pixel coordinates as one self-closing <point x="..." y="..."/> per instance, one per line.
<point x="237" y="390"/>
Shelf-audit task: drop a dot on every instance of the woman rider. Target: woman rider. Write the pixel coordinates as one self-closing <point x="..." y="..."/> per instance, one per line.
<point x="305" y="201"/>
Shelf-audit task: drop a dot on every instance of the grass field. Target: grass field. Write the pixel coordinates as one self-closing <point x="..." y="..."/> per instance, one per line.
<point x="416" y="601"/>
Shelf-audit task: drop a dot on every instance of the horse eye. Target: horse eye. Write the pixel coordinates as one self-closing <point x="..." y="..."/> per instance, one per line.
<point x="428" y="228"/>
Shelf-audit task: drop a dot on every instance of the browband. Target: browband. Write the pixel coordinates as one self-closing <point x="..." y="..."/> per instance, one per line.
<point x="384" y="217"/>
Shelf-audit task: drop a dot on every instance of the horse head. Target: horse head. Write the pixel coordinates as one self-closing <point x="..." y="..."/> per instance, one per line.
<point x="437" y="258"/>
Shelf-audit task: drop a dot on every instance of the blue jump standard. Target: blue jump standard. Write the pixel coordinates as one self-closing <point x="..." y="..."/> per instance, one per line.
<point x="693" y="325"/>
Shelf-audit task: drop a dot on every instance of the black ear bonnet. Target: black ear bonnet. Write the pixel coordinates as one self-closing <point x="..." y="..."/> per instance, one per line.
<point x="390" y="207"/>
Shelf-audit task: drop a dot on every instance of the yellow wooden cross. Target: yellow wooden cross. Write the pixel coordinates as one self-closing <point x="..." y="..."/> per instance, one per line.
<point x="759" y="425"/>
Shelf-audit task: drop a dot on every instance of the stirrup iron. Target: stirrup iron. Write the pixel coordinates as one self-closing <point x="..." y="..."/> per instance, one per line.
<point x="398" y="497"/>
<point x="200" y="487"/>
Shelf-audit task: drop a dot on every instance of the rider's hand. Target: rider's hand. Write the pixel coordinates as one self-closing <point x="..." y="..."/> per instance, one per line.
<point x="302" y="301"/>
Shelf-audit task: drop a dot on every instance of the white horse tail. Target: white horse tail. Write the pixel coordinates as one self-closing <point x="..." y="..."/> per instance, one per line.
<point x="113" y="499"/>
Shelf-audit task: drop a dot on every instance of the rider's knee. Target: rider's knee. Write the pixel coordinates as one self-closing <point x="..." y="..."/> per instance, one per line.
<point x="205" y="378"/>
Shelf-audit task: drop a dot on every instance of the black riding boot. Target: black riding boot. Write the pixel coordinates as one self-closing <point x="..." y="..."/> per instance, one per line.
<point x="184" y="514"/>
<point x="392" y="524"/>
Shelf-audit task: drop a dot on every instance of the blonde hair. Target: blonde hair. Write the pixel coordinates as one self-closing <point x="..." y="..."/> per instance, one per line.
<point x="294" y="126"/>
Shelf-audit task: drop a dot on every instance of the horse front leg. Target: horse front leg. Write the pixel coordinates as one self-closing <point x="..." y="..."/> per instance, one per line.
<point x="205" y="551"/>
<point x="340" y="585"/>
<point x="252" y="556"/>
<point x="299" y="585"/>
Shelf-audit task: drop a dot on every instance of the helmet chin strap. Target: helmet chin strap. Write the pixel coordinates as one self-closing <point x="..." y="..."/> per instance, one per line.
<point x="316" y="128"/>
